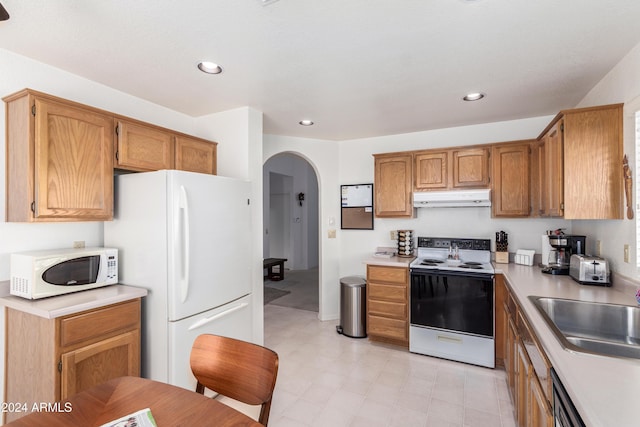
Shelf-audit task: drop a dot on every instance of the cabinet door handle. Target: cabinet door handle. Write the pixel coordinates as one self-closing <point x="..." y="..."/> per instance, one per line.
<point x="184" y="206"/>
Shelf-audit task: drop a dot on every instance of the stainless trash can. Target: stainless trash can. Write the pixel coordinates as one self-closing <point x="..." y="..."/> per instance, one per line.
<point x="353" y="307"/>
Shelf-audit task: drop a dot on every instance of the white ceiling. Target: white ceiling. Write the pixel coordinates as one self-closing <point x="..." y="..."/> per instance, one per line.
<point x="358" y="68"/>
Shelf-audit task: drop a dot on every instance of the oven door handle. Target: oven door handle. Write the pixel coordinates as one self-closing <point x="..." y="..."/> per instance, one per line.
<point x="437" y="272"/>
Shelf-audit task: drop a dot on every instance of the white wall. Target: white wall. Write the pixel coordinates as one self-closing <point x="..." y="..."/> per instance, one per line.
<point x="621" y="84"/>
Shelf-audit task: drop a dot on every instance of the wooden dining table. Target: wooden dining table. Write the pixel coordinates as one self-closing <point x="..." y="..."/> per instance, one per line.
<point x="106" y="402"/>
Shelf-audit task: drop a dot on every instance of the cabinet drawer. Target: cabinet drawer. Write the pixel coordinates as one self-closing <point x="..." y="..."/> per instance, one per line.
<point x="397" y="275"/>
<point x="96" y="324"/>
<point x="391" y="293"/>
<point x="388" y="309"/>
<point x="388" y="328"/>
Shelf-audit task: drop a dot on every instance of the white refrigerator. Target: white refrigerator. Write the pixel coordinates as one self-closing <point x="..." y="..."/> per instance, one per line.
<point x="185" y="237"/>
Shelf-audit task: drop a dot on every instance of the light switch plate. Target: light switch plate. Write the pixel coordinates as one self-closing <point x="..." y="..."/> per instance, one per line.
<point x="626" y="253"/>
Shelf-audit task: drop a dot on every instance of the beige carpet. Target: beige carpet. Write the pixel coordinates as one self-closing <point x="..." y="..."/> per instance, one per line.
<point x="302" y="286"/>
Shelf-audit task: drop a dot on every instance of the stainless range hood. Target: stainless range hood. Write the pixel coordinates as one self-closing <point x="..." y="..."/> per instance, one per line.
<point x="453" y="199"/>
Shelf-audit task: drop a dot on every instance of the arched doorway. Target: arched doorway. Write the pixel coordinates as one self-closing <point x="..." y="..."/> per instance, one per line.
<point x="291" y="223"/>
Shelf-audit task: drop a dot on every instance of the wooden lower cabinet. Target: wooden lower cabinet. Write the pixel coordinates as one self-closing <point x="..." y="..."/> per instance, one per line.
<point x="527" y="368"/>
<point x="48" y="360"/>
<point x="388" y="304"/>
<point x="540" y="412"/>
<point x="521" y="383"/>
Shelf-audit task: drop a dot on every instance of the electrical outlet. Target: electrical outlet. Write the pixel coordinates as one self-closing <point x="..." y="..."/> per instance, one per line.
<point x="78" y="244"/>
<point x="393" y="235"/>
<point x="626" y="253"/>
<point x="332" y="234"/>
<point x="598" y="248"/>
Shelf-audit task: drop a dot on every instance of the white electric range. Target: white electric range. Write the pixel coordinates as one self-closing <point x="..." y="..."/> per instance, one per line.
<point x="452" y="300"/>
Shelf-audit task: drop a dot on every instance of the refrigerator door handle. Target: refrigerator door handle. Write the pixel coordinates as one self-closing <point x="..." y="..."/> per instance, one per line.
<point x="184" y="206"/>
<point x="206" y="320"/>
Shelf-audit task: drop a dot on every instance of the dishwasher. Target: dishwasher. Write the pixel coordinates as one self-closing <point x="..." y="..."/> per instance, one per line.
<point x="565" y="413"/>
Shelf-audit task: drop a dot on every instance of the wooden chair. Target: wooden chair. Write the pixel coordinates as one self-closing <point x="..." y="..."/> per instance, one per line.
<point x="236" y="369"/>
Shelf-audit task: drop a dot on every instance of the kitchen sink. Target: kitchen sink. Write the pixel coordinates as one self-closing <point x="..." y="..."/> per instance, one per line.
<point x="592" y="327"/>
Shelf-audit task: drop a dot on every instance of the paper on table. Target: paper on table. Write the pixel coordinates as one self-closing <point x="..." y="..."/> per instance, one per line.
<point x="142" y="418"/>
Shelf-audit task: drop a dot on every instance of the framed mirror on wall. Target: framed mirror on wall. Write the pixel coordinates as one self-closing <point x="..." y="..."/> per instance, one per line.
<point x="356" y="211"/>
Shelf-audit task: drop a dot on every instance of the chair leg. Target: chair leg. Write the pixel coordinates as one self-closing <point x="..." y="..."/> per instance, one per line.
<point x="264" y="413"/>
<point x="199" y="388"/>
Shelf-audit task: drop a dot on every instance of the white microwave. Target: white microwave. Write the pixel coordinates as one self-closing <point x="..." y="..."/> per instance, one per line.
<point x="41" y="274"/>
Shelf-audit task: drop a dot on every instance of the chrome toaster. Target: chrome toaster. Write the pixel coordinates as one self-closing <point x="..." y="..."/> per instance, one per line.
<point x="589" y="270"/>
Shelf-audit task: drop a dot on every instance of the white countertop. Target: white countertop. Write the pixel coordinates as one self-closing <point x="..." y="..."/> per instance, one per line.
<point x="394" y="261"/>
<point x="53" y="307"/>
<point x="603" y="389"/>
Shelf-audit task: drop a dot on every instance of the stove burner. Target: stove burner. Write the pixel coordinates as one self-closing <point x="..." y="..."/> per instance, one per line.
<point x="430" y="261"/>
<point x="473" y="266"/>
<point x="473" y="263"/>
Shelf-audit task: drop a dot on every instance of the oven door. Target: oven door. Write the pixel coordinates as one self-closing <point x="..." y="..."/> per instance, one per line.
<point x="453" y="301"/>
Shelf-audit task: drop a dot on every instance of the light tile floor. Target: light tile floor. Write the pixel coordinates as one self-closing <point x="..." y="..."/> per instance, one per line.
<point x="326" y="379"/>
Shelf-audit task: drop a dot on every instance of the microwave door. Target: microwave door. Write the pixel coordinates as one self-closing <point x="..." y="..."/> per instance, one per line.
<point x="76" y="271"/>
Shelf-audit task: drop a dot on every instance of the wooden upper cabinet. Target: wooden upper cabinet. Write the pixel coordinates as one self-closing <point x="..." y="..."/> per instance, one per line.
<point x="537" y="179"/>
<point x="195" y="155"/>
<point x="470" y="167"/>
<point x="593" y="153"/>
<point x="142" y="147"/>
<point x="510" y="193"/>
<point x="451" y="169"/>
<point x="59" y="160"/>
<point x="553" y="192"/>
<point x="393" y="185"/>
<point x="431" y="170"/>
<point x="583" y="153"/>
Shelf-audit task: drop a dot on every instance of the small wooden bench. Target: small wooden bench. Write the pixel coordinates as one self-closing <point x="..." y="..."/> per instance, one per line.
<point x="269" y="263"/>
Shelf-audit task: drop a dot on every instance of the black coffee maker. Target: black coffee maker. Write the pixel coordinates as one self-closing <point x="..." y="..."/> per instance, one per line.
<point x="562" y="247"/>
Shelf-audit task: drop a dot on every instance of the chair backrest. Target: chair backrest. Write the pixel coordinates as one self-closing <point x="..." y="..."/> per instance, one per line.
<point x="237" y="369"/>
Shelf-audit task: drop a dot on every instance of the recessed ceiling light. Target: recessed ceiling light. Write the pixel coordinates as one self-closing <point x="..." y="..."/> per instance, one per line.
<point x="209" y="67"/>
<point x="306" y="122"/>
<point x="474" y="96"/>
